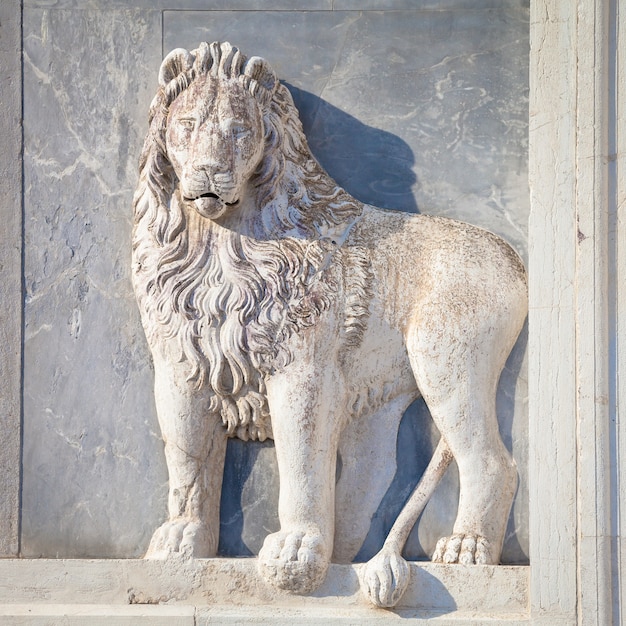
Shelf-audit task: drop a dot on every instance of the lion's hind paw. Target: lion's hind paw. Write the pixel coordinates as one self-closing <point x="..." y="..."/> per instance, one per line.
<point x="467" y="549"/>
<point x="385" y="578"/>
<point x="295" y="561"/>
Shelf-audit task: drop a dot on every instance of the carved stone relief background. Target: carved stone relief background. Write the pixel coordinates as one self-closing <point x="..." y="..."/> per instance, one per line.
<point x="407" y="108"/>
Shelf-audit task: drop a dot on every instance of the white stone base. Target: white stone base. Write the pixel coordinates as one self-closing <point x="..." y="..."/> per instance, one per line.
<point x="199" y="592"/>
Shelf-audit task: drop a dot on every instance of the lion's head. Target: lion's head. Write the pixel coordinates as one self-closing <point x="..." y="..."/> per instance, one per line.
<point x="222" y="127"/>
<point x="215" y="130"/>
<point x="226" y="143"/>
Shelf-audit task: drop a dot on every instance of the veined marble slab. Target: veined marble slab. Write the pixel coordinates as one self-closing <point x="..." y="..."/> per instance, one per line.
<point x="92" y="466"/>
<point x="408" y="109"/>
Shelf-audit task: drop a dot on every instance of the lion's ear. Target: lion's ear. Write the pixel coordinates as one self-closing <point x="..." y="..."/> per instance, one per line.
<point x="261" y="71"/>
<point x="174" y="64"/>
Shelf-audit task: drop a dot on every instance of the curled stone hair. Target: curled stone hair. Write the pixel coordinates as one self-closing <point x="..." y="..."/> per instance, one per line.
<point x="230" y="333"/>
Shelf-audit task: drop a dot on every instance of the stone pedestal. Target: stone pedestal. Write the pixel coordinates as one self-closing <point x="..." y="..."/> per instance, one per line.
<point x="229" y="591"/>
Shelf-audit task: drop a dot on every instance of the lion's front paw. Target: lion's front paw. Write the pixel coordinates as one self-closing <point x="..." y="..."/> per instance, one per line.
<point x="183" y="537"/>
<point x="466" y="549"/>
<point x="294" y="560"/>
<point x="385" y="578"/>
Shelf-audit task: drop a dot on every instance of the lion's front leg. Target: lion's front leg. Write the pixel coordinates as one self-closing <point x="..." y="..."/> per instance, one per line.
<point x="306" y="423"/>
<point x="195" y="447"/>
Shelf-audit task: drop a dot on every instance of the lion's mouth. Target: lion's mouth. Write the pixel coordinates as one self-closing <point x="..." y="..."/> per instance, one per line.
<point x="210" y="205"/>
<point x="212" y="196"/>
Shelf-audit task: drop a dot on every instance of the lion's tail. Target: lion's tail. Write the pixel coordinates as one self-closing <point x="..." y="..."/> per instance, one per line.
<point x="414" y="506"/>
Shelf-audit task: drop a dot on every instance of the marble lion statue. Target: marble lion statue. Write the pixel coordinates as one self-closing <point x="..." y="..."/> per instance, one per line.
<point x="277" y="305"/>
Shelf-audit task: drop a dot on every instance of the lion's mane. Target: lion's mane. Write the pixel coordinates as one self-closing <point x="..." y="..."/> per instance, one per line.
<point x="228" y="299"/>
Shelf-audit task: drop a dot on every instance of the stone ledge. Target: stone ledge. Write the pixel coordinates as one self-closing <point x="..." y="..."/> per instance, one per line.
<point x="228" y="591"/>
<point x="96" y="615"/>
<point x="345" y="617"/>
<point x="187" y="615"/>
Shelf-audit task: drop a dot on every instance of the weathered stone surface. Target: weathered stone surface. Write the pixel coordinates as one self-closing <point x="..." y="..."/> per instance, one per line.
<point x="66" y="379"/>
<point x="227" y="588"/>
<point x="278" y="306"/>
<point x="10" y="278"/>
<point x="425" y="5"/>
<point x="180" y="5"/>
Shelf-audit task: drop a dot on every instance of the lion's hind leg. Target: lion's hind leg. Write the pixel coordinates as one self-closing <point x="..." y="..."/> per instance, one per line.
<point x="458" y="377"/>
<point x="487" y="475"/>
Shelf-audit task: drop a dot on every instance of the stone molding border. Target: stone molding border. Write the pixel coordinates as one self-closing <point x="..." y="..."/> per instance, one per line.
<point x="577" y="164"/>
<point x="577" y="236"/>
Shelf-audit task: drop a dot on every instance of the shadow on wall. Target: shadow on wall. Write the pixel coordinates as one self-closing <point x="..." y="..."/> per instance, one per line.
<point x="371" y="164"/>
<point x="375" y="167"/>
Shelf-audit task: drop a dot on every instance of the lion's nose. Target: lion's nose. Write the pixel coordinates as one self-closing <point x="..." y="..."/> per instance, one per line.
<point x="215" y="151"/>
<point x="211" y="173"/>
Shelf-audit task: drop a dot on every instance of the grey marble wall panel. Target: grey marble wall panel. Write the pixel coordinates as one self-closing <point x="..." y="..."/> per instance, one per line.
<point x="418" y="110"/>
<point x="452" y="86"/>
<point x="92" y="451"/>
<point x="303" y="46"/>
<point x="413" y="110"/>
<point x="10" y="277"/>
<point x="407" y="109"/>
<point x="428" y="5"/>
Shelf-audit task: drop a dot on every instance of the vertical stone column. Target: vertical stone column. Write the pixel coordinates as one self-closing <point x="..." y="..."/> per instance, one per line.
<point x="552" y="322"/>
<point x="617" y="287"/>
<point x="577" y="142"/>
<point x="10" y="274"/>
<point x="594" y="130"/>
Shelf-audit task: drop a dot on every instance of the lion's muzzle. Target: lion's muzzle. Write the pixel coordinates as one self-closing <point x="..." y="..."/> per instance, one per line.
<point x="210" y="195"/>
<point x="209" y="204"/>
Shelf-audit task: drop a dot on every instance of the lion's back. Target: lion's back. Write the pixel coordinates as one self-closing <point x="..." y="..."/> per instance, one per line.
<point x="419" y="258"/>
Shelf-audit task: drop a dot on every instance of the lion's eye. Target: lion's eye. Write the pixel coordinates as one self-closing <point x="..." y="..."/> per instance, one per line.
<point x="187" y="124"/>
<point x="240" y="131"/>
